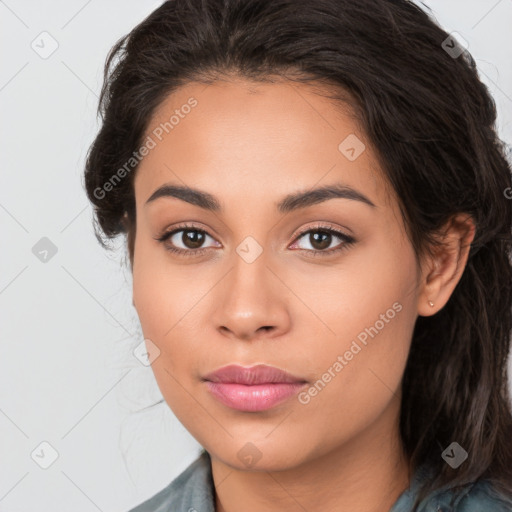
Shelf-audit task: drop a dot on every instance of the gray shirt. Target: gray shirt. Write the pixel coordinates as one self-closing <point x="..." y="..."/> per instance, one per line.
<point x="193" y="491"/>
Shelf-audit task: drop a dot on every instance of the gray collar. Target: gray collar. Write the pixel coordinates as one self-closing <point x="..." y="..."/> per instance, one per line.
<point x="193" y="491"/>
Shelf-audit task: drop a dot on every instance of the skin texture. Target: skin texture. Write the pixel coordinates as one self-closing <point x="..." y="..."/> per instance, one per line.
<point x="249" y="146"/>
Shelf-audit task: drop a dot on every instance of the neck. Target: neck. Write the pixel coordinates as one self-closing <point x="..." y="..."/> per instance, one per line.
<point x="368" y="475"/>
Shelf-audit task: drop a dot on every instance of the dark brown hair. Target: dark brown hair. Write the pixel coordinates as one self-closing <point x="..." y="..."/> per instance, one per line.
<point x="431" y="122"/>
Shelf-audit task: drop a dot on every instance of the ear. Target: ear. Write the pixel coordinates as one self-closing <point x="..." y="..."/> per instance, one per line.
<point x="442" y="271"/>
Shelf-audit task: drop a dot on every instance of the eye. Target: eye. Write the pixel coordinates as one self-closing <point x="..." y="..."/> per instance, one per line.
<point x="320" y="239"/>
<point x="190" y="237"/>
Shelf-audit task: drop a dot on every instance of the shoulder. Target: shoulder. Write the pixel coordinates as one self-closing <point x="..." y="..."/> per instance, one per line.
<point x="480" y="497"/>
<point x="190" y="491"/>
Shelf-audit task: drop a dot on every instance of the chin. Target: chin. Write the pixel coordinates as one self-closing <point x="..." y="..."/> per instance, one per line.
<point x="259" y="454"/>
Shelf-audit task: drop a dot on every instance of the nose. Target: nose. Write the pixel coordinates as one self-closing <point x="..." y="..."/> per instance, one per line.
<point x="251" y="302"/>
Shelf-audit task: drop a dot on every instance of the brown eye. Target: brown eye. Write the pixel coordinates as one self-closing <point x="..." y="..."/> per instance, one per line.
<point x="192" y="238"/>
<point x="185" y="240"/>
<point x="320" y="240"/>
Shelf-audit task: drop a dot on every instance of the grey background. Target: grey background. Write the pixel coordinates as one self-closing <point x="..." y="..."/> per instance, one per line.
<point x="68" y="328"/>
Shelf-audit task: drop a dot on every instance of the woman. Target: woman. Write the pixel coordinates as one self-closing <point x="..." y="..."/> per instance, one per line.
<point x="315" y="202"/>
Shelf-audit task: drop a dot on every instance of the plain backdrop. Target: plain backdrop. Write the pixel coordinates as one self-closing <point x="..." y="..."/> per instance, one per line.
<point x="68" y="378"/>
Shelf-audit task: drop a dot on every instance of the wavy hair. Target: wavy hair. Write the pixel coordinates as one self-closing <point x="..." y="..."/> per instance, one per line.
<point x="432" y="123"/>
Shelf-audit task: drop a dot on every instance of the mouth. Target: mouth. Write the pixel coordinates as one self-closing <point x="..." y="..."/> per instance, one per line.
<point x="253" y="389"/>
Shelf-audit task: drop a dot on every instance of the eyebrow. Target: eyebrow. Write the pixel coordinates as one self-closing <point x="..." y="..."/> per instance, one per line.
<point x="291" y="202"/>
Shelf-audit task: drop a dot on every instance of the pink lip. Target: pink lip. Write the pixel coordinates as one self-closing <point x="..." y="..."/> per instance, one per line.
<point x="252" y="389"/>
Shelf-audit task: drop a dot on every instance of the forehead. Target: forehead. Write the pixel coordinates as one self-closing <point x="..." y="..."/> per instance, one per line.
<point x="261" y="140"/>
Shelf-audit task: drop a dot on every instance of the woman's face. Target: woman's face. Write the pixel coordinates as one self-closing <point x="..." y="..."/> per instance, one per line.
<point x="251" y="288"/>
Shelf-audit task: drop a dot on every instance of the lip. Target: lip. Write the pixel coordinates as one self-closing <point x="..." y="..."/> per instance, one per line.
<point x="257" y="374"/>
<point x="253" y="389"/>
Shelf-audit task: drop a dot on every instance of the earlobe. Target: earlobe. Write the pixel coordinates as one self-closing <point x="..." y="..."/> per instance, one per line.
<point x="446" y="266"/>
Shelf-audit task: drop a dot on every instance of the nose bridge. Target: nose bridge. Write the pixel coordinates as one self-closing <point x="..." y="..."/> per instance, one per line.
<point x="249" y="279"/>
<point x="249" y="298"/>
<point x="249" y="260"/>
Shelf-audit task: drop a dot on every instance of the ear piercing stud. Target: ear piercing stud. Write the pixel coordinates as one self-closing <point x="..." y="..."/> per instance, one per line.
<point x="430" y="303"/>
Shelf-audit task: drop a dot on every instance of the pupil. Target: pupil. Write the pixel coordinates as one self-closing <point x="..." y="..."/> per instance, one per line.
<point x="192" y="239"/>
<point x="322" y="244"/>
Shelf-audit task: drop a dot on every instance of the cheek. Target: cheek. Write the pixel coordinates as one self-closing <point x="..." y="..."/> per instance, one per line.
<point x="157" y="292"/>
<point x="369" y="307"/>
<point x="157" y="302"/>
<point x="351" y="296"/>
<point x="169" y="304"/>
<point x="153" y="301"/>
<point x="162" y="313"/>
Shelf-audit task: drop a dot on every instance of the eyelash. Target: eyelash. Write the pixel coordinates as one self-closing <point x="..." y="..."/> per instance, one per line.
<point x="347" y="240"/>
